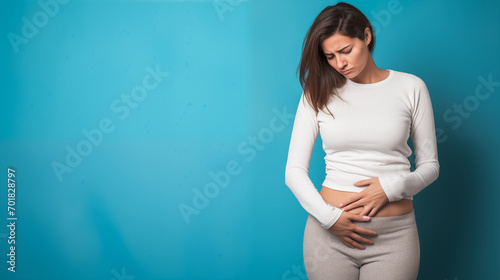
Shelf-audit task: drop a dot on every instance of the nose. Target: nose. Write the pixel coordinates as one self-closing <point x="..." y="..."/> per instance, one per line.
<point x="341" y="63"/>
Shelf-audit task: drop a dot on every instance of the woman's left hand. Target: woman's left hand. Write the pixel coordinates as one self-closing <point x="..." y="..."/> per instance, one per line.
<point x="372" y="198"/>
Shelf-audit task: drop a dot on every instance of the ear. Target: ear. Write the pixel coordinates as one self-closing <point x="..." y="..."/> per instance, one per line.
<point x="368" y="36"/>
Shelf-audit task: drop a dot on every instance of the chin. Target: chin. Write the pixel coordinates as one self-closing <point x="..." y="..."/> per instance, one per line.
<point x="350" y="75"/>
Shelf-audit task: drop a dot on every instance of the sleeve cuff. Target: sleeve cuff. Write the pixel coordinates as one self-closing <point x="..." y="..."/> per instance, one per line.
<point x="334" y="216"/>
<point x="387" y="183"/>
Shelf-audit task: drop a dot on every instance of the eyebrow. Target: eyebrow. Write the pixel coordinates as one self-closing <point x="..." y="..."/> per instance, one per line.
<point x="338" y="50"/>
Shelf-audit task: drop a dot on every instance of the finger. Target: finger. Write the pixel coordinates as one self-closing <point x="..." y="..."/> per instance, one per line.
<point x="350" y="200"/>
<point x="347" y="244"/>
<point x="365" y="231"/>
<point x="356" y="217"/>
<point x="354" y="243"/>
<point x="365" y="210"/>
<point x="372" y="212"/>
<point x="350" y="206"/>
<point x="360" y="238"/>
<point x="361" y="183"/>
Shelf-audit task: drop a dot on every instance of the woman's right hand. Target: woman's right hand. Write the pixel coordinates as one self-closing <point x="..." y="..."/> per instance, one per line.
<point x="348" y="232"/>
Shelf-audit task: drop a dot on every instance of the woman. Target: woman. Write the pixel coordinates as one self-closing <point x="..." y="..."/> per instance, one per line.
<point x="365" y="116"/>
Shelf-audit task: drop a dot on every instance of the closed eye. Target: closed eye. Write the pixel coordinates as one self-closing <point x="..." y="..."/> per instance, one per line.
<point x="332" y="56"/>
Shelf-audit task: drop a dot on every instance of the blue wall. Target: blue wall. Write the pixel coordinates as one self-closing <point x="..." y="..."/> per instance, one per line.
<point x="116" y="115"/>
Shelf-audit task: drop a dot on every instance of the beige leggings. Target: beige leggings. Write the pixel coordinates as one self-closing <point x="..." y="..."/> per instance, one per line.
<point x="395" y="254"/>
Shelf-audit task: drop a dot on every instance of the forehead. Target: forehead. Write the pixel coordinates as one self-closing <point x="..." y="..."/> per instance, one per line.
<point x="337" y="42"/>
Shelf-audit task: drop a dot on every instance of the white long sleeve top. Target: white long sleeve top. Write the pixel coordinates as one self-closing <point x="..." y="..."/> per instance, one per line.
<point x="368" y="138"/>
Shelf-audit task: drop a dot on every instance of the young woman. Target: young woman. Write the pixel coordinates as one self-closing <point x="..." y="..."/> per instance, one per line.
<point x="361" y="225"/>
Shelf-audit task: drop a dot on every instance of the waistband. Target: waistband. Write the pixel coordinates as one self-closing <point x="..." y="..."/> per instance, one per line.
<point x="387" y="223"/>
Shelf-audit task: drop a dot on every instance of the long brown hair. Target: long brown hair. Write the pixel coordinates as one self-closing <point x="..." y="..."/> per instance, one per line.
<point x="317" y="77"/>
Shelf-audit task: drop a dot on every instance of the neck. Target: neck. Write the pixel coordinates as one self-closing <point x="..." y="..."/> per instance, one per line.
<point x="370" y="74"/>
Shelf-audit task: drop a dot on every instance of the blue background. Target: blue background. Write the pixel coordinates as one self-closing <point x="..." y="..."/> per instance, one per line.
<point x="116" y="214"/>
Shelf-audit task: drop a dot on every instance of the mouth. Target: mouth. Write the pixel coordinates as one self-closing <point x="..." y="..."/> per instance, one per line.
<point x="346" y="72"/>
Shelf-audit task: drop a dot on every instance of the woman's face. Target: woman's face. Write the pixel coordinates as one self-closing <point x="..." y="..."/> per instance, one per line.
<point x="347" y="55"/>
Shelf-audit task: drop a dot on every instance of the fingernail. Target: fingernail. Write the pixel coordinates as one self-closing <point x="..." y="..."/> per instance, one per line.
<point x="366" y="217"/>
<point x="341" y="204"/>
